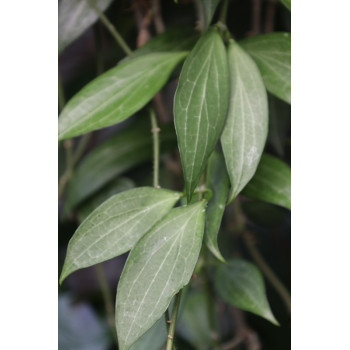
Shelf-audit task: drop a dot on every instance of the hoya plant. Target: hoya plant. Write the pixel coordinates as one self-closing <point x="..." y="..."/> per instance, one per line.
<point x="174" y="150"/>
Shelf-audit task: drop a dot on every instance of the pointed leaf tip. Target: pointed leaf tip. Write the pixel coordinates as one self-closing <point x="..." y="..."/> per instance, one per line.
<point x="117" y="94"/>
<point x="241" y="284"/>
<point x="116" y="225"/>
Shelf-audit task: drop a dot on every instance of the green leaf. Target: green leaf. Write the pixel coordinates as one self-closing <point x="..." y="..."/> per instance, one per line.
<point x="172" y="40"/>
<point x="245" y="132"/>
<point x="241" y="284"/>
<point x="287" y="4"/>
<point x="160" y="264"/>
<point x="154" y="338"/>
<point x="117" y="94"/>
<point x="200" y="105"/>
<point x="194" y="324"/>
<point x="209" y="10"/>
<point x="119" y="185"/>
<point x="218" y="181"/>
<point x="271" y="183"/>
<point x="74" y="17"/>
<point x="115" y="226"/>
<point x="272" y="54"/>
<point x="120" y="153"/>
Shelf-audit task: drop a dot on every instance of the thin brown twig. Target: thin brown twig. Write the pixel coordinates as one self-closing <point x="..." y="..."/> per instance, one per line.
<point x="270" y="16"/>
<point x="256" y="17"/>
<point x="258" y="258"/>
<point x="107" y="298"/>
<point x="157" y="17"/>
<point x="267" y="271"/>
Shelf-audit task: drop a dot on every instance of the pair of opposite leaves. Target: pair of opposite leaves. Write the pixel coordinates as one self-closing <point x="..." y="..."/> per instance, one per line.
<point x="214" y="87"/>
<point x="220" y="94"/>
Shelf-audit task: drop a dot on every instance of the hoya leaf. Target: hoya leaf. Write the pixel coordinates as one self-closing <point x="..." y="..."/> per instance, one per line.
<point x="271" y="182"/>
<point x="117" y="94"/>
<point x="245" y="132"/>
<point x="120" y="153"/>
<point x="200" y="105"/>
<point x="74" y="17"/>
<point x="172" y="40"/>
<point x="154" y="338"/>
<point x="194" y="324"/>
<point x="286" y="3"/>
<point x="119" y="185"/>
<point x="209" y="10"/>
<point x="218" y="181"/>
<point x="115" y="226"/>
<point x="272" y="54"/>
<point x="159" y="265"/>
<point x="241" y="284"/>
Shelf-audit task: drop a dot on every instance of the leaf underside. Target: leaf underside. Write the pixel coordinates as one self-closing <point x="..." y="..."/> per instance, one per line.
<point x="159" y="265"/>
<point x="200" y="105"/>
<point x="115" y="226"/>
<point x="245" y="132"/>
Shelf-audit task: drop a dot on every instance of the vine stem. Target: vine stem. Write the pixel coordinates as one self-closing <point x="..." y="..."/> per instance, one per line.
<point x="107" y="298"/>
<point x="267" y="271"/>
<point x="118" y="38"/>
<point x="170" y="342"/>
<point x="61" y="96"/>
<point x="200" y="14"/>
<point x="260" y="261"/>
<point x="223" y="12"/>
<point x="155" y="133"/>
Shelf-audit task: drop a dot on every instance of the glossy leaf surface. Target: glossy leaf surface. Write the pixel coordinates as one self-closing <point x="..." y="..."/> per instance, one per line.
<point x="74" y="17"/>
<point x="271" y="182"/>
<point x="160" y="264"/>
<point x="272" y="54"/>
<point x="116" y="225"/>
<point x="117" y="94"/>
<point x="120" y="153"/>
<point x="218" y="181"/>
<point x="200" y="105"/>
<point x="245" y="132"/>
<point x="209" y="10"/>
<point x="241" y="284"/>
